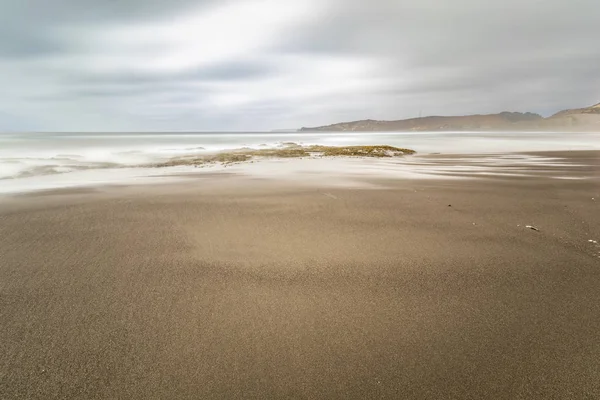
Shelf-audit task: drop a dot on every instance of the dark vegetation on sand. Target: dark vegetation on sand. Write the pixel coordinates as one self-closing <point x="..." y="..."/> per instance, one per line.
<point x="289" y="150"/>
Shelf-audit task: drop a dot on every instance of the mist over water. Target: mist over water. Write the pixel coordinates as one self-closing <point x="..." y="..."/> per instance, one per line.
<point x="62" y="158"/>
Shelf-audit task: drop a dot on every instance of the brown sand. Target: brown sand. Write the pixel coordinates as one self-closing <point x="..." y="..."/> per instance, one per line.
<point x="230" y="288"/>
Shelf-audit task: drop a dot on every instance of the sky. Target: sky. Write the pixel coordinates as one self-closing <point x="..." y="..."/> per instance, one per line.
<point x="250" y="65"/>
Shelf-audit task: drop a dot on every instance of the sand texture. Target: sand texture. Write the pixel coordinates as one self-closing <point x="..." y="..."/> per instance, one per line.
<point x="233" y="287"/>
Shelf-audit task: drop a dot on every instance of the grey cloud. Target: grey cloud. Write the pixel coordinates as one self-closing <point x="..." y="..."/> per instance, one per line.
<point x="28" y="28"/>
<point x="17" y="44"/>
<point x="44" y="13"/>
<point x="177" y="88"/>
<point x="232" y="71"/>
<point x="496" y="52"/>
<point x="444" y="57"/>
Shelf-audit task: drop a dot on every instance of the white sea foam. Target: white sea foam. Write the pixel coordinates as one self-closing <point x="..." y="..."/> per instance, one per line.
<point x="46" y="161"/>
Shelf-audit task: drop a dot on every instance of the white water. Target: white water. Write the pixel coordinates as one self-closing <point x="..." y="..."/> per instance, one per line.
<point x="52" y="160"/>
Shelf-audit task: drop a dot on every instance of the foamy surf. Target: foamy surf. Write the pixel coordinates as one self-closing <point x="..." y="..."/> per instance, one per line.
<point x="30" y="162"/>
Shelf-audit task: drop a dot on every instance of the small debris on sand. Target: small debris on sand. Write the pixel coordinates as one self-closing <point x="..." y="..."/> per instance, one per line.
<point x="532" y="227"/>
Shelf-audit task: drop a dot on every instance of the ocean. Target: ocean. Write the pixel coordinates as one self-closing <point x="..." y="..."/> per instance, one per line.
<point x="33" y="161"/>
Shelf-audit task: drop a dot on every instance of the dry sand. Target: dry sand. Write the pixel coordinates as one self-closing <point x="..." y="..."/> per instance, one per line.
<point x="231" y="287"/>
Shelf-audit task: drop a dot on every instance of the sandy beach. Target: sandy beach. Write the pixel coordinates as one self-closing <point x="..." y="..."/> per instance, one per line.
<point x="231" y="286"/>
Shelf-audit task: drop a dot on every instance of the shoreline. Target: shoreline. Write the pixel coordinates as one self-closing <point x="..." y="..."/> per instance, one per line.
<point x="348" y="171"/>
<point x="56" y="160"/>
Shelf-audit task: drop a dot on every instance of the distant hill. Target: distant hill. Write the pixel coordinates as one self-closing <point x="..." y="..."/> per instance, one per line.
<point x="588" y="110"/>
<point x="575" y="119"/>
<point x="578" y="119"/>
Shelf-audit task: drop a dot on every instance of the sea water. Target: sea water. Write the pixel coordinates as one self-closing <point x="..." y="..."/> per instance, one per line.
<point x="31" y="161"/>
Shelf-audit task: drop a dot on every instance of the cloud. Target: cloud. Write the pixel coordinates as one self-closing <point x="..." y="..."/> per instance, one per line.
<point x="260" y="64"/>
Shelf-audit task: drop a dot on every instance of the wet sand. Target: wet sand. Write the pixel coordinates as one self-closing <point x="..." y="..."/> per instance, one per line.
<point x="232" y="287"/>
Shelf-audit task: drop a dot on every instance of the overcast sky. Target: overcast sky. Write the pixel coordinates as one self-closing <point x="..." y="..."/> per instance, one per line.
<point x="159" y="65"/>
